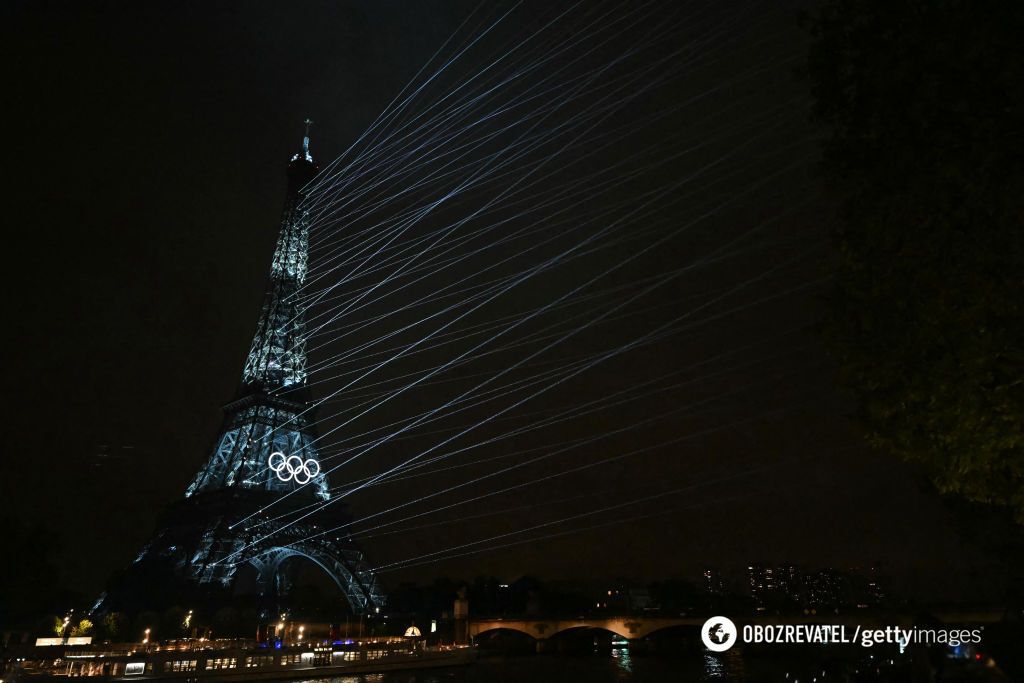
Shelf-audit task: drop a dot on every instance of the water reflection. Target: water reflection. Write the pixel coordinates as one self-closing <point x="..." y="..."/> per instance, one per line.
<point x="360" y="678"/>
<point x="621" y="657"/>
<point x="727" y="666"/>
<point x="714" y="668"/>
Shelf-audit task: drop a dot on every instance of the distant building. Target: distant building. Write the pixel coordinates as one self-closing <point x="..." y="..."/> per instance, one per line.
<point x="787" y="586"/>
<point x="623" y="597"/>
<point x="875" y="593"/>
<point x="774" y="584"/>
<point x="826" y="588"/>
<point x="713" y="583"/>
<point x="866" y="588"/>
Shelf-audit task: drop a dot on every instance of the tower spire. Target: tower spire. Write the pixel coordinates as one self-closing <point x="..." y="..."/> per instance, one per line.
<point x="277" y="358"/>
<point x="305" y="140"/>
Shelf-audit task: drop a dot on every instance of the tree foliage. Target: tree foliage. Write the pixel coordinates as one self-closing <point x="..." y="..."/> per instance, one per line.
<point x="113" y="624"/>
<point x="924" y="102"/>
<point x="82" y="628"/>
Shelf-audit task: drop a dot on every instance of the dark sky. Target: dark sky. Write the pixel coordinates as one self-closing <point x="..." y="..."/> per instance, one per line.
<point x="146" y="146"/>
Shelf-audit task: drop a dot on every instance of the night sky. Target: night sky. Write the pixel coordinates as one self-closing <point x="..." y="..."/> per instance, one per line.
<point x="147" y="145"/>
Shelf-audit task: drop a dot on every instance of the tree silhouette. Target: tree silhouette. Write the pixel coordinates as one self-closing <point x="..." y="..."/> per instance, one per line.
<point x="925" y="108"/>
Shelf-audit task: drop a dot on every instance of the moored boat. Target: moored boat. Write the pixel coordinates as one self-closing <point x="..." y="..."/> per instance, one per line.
<point x="233" y="661"/>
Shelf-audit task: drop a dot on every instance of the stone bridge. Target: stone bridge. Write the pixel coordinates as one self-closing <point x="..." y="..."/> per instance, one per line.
<point x="635" y="627"/>
<point x="628" y="627"/>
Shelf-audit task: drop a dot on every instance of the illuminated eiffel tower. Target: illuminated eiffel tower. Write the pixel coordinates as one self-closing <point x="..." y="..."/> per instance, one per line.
<point x="265" y="448"/>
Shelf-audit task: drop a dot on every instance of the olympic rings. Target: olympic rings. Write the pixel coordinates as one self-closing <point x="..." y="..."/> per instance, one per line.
<point x="292" y="467"/>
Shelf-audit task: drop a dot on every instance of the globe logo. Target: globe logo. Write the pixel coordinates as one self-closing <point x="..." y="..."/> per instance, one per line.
<point x="718" y="634"/>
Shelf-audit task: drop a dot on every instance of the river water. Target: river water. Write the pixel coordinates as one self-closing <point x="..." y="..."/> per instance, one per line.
<point x="618" y="667"/>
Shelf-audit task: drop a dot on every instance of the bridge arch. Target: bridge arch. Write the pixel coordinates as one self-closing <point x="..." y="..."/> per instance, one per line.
<point x="579" y="628"/>
<point x="268" y="567"/>
<point x="628" y="627"/>
<point x="514" y="628"/>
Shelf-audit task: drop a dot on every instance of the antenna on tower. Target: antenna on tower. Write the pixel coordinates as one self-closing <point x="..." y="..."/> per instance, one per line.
<point x="305" y="139"/>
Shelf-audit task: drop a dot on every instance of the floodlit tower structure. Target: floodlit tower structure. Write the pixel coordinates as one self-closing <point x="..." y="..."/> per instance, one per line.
<point x="264" y="470"/>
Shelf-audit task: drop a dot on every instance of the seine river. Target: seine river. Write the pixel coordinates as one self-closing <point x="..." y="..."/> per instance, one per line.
<point x="618" y="667"/>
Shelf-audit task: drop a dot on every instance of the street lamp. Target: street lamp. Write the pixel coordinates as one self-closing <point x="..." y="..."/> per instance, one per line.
<point x="65" y="630"/>
<point x="145" y="639"/>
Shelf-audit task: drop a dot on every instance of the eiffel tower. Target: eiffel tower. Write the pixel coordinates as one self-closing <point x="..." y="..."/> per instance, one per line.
<point x="264" y="449"/>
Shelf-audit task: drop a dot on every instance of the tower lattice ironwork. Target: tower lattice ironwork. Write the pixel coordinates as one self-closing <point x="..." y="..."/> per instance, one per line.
<point x="265" y="448"/>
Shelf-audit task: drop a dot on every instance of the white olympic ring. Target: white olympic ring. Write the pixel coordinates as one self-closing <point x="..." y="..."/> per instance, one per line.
<point x="292" y="467"/>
